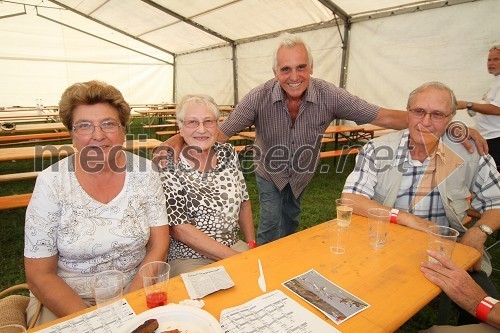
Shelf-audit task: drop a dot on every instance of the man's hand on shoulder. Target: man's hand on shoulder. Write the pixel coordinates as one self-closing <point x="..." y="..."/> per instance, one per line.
<point x="174" y="144"/>
<point x="479" y="140"/>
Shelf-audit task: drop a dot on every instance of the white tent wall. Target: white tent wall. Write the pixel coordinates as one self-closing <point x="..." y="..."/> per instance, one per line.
<point x="208" y="72"/>
<point x="44" y="57"/>
<point x="389" y="57"/>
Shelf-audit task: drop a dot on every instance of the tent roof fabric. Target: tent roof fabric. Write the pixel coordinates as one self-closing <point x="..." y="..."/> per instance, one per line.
<point x="164" y="28"/>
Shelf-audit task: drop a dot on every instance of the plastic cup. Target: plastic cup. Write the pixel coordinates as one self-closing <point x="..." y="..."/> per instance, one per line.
<point x="155" y="276"/>
<point x="344" y="210"/>
<point x="378" y="227"/>
<point x="442" y="240"/>
<point x="108" y="287"/>
<point x="338" y="234"/>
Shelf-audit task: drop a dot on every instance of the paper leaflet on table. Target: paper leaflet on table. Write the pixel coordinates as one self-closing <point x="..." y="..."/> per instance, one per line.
<point x="273" y="312"/>
<point x="108" y="318"/>
<point x="206" y="281"/>
<point x="336" y="303"/>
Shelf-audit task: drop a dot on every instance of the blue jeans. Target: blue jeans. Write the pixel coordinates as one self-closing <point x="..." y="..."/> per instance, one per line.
<point x="279" y="211"/>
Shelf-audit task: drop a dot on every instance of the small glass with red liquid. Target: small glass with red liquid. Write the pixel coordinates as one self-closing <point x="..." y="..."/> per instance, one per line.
<point x="155" y="277"/>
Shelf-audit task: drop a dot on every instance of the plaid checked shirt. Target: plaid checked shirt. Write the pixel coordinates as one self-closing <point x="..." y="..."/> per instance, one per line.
<point x="285" y="152"/>
<point x="423" y="202"/>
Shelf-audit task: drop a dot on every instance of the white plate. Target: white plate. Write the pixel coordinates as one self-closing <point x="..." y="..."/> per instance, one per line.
<point x="185" y="318"/>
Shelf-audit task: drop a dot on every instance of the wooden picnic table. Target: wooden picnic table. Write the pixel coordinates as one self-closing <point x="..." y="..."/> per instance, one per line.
<point x="347" y="134"/>
<point x="39" y="127"/>
<point x="27" y="115"/>
<point x="152" y="116"/>
<point x="26" y="153"/>
<point x="350" y="133"/>
<point x="369" y="131"/>
<point x="389" y="279"/>
<point x="28" y="108"/>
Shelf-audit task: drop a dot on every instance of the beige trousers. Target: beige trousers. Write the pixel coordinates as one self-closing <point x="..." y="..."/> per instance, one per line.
<point x="476" y="328"/>
<point x="179" y="266"/>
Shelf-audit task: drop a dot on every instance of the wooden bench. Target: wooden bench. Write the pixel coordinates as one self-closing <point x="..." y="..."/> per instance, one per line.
<point x="158" y="126"/>
<point x="19" y="176"/>
<point x="338" y="152"/>
<point x="324" y="141"/>
<point x="15" y="201"/>
<point x="237" y="138"/>
<point x="160" y="133"/>
<point x="239" y="149"/>
<point x="20" y="138"/>
<point x="26" y="153"/>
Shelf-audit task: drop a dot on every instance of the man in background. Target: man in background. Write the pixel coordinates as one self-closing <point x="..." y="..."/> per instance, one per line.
<point x="487" y="113"/>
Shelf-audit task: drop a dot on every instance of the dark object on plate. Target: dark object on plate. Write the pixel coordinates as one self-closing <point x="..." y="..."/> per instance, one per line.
<point x="149" y="326"/>
<point x="8" y="126"/>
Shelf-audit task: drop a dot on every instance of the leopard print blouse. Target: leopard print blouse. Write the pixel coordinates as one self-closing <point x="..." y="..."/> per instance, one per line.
<point x="208" y="200"/>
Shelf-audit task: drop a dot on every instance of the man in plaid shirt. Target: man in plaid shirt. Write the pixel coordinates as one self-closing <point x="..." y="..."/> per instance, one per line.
<point x="424" y="176"/>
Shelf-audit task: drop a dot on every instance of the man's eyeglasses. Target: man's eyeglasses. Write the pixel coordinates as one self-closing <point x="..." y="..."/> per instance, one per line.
<point x="434" y="116"/>
<point x="192" y="123"/>
<point x="88" y="128"/>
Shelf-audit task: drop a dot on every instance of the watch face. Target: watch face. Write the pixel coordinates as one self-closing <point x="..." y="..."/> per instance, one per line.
<point x="484" y="228"/>
<point x="469" y="105"/>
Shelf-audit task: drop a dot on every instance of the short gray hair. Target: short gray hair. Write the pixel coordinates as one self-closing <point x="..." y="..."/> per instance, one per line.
<point x="435" y="85"/>
<point x="202" y="99"/>
<point x="288" y="40"/>
<point x="496" y="47"/>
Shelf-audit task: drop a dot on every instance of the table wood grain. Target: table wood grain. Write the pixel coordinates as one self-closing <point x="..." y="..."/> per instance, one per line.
<point x="389" y="279"/>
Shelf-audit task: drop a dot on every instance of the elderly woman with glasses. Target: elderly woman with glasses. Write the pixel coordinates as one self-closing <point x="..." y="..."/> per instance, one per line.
<point x="207" y="199"/>
<point x="97" y="210"/>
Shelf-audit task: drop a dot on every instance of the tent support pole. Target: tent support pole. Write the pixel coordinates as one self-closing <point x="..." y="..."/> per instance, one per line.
<point x="336" y="10"/>
<point x="174" y="78"/>
<point x="235" y="76"/>
<point x="345" y="56"/>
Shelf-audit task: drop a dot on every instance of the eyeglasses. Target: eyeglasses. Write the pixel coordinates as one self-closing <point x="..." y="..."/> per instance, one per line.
<point x="88" y="128"/>
<point x="434" y="116"/>
<point x="192" y="123"/>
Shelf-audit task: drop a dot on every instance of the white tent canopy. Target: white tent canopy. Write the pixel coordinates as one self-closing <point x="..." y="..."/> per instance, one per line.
<point x="159" y="50"/>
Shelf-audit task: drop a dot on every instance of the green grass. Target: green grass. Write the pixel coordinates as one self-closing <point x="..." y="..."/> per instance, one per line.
<point x="318" y="206"/>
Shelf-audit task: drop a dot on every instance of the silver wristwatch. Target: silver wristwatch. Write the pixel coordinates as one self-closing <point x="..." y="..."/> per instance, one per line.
<point x="484" y="228"/>
<point x="471" y="112"/>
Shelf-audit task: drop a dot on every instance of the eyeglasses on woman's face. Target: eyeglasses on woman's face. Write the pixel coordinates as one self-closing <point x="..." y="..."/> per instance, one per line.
<point x="88" y="128"/>
<point x="193" y="123"/>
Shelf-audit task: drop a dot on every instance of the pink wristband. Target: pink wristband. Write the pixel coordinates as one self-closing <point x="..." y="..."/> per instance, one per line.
<point x="252" y="244"/>
<point x="484" y="307"/>
<point x="394" y="215"/>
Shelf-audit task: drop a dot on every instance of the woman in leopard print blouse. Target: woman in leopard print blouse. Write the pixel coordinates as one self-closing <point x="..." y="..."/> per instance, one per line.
<point x="207" y="199"/>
